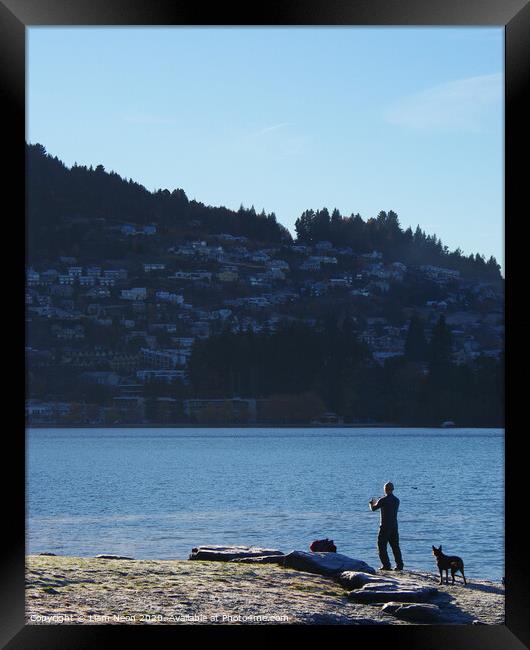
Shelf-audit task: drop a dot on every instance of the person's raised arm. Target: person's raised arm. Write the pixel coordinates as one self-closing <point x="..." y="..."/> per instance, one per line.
<point x="374" y="505"/>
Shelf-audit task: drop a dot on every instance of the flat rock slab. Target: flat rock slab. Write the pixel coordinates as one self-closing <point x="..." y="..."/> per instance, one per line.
<point x="327" y="564"/>
<point x="357" y="579"/>
<point x="421" y="613"/>
<point x="113" y="557"/>
<point x="227" y="553"/>
<point x="385" y="593"/>
<point x="260" y="559"/>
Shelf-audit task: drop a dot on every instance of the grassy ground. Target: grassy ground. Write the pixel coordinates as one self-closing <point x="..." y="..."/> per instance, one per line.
<point x="101" y="591"/>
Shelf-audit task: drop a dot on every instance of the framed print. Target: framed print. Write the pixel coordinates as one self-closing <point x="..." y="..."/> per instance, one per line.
<point x="266" y="386"/>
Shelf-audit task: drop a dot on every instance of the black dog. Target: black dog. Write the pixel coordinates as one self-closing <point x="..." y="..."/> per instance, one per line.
<point x="446" y="562"/>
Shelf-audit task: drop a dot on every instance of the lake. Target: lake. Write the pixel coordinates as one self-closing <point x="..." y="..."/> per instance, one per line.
<point x="156" y="493"/>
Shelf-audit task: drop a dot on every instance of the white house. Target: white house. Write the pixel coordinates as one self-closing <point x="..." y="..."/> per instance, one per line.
<point x="135" y="293"/>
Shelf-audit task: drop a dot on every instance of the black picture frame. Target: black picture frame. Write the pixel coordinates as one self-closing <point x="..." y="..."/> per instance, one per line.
<point x="15" y="17"/>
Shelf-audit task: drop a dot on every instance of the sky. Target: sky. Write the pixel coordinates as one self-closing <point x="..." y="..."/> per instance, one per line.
<point x="362" y="119"/>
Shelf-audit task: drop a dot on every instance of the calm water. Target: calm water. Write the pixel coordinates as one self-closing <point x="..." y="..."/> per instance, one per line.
<point x="156" y="493"/>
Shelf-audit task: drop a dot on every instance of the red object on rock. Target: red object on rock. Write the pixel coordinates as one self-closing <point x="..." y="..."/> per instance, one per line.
<point x="323" y="546"/>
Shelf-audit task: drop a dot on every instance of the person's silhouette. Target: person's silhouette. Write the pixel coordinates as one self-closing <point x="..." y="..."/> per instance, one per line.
<point x="388" y="529"/>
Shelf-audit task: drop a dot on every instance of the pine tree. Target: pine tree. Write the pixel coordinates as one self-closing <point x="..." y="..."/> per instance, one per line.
<point x="416" y="346"/>
<point x="441" y="344"/>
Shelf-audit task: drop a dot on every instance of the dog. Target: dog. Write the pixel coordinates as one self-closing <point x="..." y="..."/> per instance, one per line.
<point x="446" y="562"/>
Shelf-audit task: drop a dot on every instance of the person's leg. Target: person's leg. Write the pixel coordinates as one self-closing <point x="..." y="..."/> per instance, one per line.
<point x="394" y="545"/>
<point x="382" y="541"/>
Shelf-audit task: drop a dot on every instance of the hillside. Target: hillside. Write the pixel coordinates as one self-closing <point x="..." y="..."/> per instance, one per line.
<point x="145" y="307"/>
<point x="66" y="202"/>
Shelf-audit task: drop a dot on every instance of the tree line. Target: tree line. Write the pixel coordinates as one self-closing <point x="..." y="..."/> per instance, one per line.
<point x="385" y="234"/>
<point x="421" y="387"/>
<point x="303" y="372"/>
<point x="58" y="196"/>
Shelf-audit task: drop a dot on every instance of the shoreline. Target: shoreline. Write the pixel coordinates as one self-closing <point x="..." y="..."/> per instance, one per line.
<point x="212" y="426"/>
<point x="252" y="426"/>
<point x="414" y="569"/>
<point x="74" y="590"/>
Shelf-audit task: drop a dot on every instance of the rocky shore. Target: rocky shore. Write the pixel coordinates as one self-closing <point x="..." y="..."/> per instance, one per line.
<point x="241" y="585"/>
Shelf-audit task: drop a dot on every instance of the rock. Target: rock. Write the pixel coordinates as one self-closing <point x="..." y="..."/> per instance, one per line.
<point x="384" y="593"/>
<point x="260" y="559"/>
<point x="48" y="554"/>
<point x="327" y="564"/>
<point x="113" y="557"/>
<point x="227" y="553"/>
<point x="357" y="579"/>
<point x="423" y="613"/>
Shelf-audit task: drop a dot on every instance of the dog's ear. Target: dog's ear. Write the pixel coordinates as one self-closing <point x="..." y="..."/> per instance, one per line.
<point x="440" y="547"/>
<point x="433" y="547"/>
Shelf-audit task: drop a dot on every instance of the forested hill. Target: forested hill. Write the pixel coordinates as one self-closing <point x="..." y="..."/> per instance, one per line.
<point x="58" y="196"/>
<point x="385" y="234"/>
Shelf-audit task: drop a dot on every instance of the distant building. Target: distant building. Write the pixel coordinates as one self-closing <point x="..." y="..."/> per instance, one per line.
<point x="168" y="358"/>
<point x="73" y="332"/>
<point x="374" y="255"/>
<point x="439" y="274"/>
<point x="282" y="265"/>
<point x="230" y="410"/>
<point x="98" y="292"/>
<point x="154" y="267"/>
<point x="259" y="256"/>
<point x="131" y="409"/>
<point x="339" y="282"/>
<point x="165" y="376"/>
<point x="87" y="280"/>
<point x="135" y="293"/>
<point x="116" y="274"/>
<point x="324" y="259"/>
<point x="167" y="296"/>
<point x="382" y="356"/>
<point x="258" y="301"/>
<point x="128" y="229"/>
<point x="205" y="276"/>
<point x="49" y="277"/>
<point x="32" y="278"/>
<point x="300" y="248"/>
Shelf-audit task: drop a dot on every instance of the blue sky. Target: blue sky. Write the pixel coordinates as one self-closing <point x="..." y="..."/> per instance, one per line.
<point x="286" y="119"/>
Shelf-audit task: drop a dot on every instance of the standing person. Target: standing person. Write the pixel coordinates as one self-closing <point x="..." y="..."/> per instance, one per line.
<point x="388" y="529"/>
